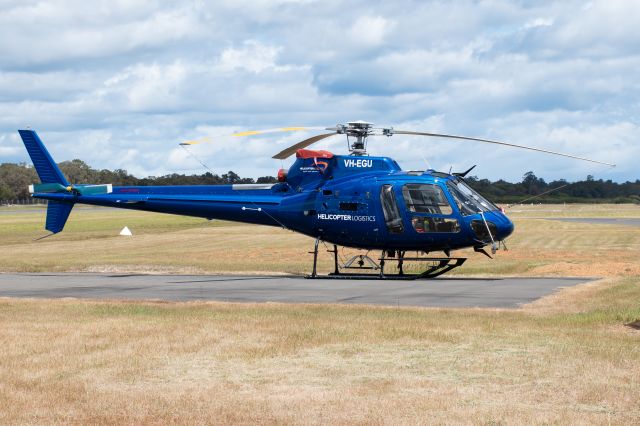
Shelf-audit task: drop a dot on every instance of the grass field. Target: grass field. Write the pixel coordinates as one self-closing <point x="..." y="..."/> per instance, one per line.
<point x="568" y="358"/>
<point x="165" y="243"/>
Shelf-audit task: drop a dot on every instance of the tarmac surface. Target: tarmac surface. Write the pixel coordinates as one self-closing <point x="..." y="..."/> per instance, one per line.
<point x="440" y="292"/>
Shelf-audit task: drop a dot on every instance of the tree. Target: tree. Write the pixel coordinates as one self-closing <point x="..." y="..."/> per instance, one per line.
<point x="17" y="178"/>
<point x="77" y="171"/>
<point x="266" y="179"/>
<point x="231" y="177"/>
<point x="5" y="192"/>
<point x="532" y="184"/>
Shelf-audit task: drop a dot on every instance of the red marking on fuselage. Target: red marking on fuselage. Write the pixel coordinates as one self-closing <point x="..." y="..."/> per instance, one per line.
<point x="320" y="165"/>
<point x="309" y="153"/>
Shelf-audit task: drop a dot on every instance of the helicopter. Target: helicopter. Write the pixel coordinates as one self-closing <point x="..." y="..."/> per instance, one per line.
<point x="355" y="200"/>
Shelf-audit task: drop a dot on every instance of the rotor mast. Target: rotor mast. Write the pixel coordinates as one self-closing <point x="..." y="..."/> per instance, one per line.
<point x="358" y="130"/>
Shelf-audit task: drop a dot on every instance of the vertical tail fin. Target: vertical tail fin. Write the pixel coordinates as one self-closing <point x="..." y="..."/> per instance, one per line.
<point x="47" y="169"/>
<point x="49" y="173"/>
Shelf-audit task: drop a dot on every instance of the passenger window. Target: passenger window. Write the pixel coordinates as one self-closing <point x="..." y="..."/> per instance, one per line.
<point x="424" y="224"/>
<point x="425" y="198"/>
<point x="392" y="217"/>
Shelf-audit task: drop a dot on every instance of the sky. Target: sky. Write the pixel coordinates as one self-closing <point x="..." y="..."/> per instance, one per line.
<point x="120" y="83"/>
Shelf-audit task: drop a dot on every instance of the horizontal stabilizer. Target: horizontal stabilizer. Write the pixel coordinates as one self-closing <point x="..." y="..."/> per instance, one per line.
<point x="40" y="188"/>
<point x="93" y="189"/>
<point x="47" y="187"/>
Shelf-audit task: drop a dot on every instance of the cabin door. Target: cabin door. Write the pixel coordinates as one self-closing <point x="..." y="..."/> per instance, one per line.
<point x="390" y="210"/>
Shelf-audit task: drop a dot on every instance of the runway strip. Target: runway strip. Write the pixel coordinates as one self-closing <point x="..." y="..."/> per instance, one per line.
<point x="441" y="292"/>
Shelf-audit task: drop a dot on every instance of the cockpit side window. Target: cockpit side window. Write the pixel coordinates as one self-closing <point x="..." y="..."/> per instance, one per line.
<point x="392" y="217"/>
<point x="425" y="198"/>
<point x="468" y="201"/>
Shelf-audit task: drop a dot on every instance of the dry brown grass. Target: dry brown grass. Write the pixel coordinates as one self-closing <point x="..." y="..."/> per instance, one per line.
<point x="575" y="210"/>
<point x="89" y="362"/>
<point x="565" y="359"/>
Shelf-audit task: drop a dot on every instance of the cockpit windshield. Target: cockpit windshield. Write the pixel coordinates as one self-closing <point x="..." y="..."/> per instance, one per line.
<point x="468" y="201"/>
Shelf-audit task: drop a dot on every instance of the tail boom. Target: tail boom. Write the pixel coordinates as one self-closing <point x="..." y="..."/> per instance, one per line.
<point x="241" y="203"/>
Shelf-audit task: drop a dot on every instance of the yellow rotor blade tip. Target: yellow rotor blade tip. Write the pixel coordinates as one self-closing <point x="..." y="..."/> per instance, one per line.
<point x="248" y="133"/>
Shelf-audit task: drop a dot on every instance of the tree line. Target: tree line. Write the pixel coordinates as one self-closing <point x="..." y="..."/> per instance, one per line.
<point x="15" y="179"/>
<point x="557" y="191"/>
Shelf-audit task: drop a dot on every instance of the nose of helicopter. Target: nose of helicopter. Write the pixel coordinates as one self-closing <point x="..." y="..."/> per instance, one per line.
<point x="496" y="222"/>
<point x="503" y="224"/>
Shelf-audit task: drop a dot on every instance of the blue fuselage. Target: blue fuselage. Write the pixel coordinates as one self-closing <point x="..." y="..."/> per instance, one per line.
<point x="363" y="202"/>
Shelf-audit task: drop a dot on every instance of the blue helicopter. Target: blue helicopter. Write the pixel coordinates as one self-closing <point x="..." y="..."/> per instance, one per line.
<point x="356" y="200"/>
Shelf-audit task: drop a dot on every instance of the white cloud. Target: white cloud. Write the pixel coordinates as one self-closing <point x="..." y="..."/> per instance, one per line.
<point x="120" y="83"/>
<point x="147" y="87"/>
<point x="539" y="22"/>
<point x="253" y="56"/>
<point x="46" y="32"/>
<point x="370" y="31"/>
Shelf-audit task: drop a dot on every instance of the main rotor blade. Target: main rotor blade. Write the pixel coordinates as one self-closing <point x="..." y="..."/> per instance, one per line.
<point x="305" y="143"/>
<point x="405" y="132"/>
<point x="210" y="139"/>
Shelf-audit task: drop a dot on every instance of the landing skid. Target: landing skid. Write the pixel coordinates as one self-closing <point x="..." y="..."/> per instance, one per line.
<point x="361" y="264"/>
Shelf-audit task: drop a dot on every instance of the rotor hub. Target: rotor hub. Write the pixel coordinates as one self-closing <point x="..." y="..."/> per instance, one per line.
<point x="357" y="133"/>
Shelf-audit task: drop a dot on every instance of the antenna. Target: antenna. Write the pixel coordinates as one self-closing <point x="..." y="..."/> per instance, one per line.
<point x="425" y="161"/>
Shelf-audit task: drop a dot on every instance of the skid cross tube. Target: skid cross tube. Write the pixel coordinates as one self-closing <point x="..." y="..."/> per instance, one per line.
<point x="361" y="260"/>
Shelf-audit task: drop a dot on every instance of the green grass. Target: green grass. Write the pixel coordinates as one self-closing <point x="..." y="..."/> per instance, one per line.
<point x="167" y="243"/>
<point x="575" y="210"/>
<point x="86" y="223"/>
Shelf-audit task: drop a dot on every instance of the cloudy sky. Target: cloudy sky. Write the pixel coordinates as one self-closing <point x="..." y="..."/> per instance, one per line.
<point x="120" y="83"/>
